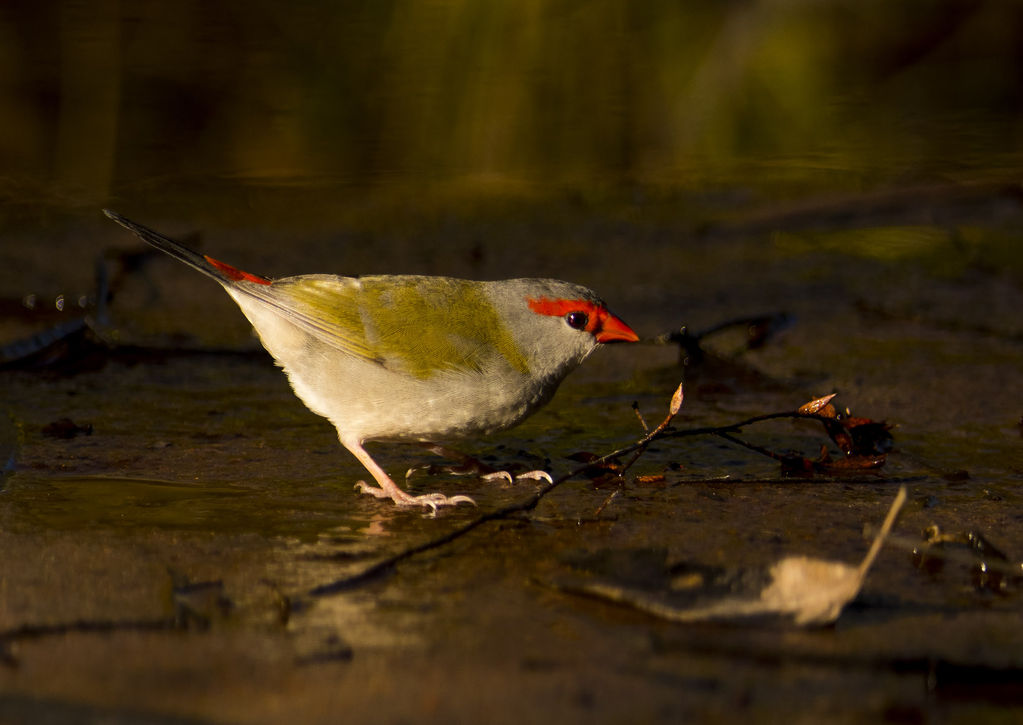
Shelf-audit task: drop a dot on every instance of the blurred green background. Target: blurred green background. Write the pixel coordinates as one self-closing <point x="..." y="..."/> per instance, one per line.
<point x="127" y="99"/>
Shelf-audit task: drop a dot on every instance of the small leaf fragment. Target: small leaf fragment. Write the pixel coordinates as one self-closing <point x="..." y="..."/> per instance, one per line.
<point x="814" y="406"/>
<point x="676" y="400"/>
<point x="601" y="473"/>
<point x="654" y="480"/>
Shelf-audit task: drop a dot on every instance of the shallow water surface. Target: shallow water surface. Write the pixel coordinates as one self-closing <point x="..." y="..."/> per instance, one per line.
<point x="196" y="507"/>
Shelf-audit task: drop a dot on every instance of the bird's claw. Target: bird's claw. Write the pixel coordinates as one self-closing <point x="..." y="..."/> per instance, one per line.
<point x="363" y="487"/>
<point x="535" y="476"/>
<point x="433" y="501"/>
<point x="528" y="475"/>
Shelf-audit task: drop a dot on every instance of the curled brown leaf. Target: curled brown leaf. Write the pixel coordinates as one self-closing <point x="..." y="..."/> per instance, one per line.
<point x="819" y="406"/>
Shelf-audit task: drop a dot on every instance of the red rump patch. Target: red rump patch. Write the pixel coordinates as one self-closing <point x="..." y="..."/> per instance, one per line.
<point x="236" y="274"/>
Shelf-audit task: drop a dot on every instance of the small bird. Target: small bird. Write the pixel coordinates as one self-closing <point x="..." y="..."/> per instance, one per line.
<point x="413" y="358"/>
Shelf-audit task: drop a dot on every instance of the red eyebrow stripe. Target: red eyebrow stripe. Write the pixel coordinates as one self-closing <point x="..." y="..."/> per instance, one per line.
<point x="559" y="308"/>
<point x="236" y="274"/>
<point x="604" y="326"/>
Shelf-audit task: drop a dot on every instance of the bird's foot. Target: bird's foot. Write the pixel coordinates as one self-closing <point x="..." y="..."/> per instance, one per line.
<point x="433" y="501"/>
<point x="528" y="475"/>
<point x="469" y="466"/>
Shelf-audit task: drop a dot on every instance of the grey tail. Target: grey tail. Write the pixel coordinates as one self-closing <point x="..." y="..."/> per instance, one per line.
<point x="223" y="273"/>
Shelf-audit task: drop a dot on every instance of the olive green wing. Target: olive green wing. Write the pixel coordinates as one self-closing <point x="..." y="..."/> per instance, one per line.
<point x="324" y="306"/>
<point x="415" y="325"/>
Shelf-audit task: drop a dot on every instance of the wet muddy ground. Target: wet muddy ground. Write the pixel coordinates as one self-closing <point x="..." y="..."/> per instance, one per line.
<point x="178" y="531"/>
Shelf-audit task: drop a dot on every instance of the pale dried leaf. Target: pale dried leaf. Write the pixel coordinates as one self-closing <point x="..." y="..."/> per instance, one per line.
<point x="811" y="591"/>
<point x="676" y="400"/>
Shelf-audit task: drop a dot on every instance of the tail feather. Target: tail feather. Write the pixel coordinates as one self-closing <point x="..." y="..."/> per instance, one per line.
<point x="223" y="273"/>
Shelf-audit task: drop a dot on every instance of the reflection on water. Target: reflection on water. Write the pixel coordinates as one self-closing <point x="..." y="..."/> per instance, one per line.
<point x="113" y="98"/>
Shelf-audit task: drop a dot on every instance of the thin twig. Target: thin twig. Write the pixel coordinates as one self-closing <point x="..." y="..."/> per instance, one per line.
<point x="752" y="446"/>
<point x="673" y="409"/>
<point x="886" y="528"/>
<point x="607" y="501"/>
<point x="639" y="414"/>
<point x="385" y="565"/>
<point x="663" y="430"/>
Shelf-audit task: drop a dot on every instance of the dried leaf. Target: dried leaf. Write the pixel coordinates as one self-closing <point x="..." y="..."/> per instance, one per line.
<point x="840" y="435"/>
<point x="808" y="590"/>
<point x="652" y="480"/>
<point x="814" y="406"/>
<point x="870" y="436"/>
<point x="851" y="463"/>
<point x="812" y="591"/>
<point x="676" y="400"/>
<point x="793" y="464"/>
<point x="602" y="474"/>
<point x="859" y="436"/>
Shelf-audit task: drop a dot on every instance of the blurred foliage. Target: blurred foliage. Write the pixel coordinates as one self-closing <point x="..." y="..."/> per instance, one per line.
<point x="117" y="96"/>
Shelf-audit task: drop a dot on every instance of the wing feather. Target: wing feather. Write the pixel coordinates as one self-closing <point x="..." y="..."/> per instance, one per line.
<point x="415" y="325"/>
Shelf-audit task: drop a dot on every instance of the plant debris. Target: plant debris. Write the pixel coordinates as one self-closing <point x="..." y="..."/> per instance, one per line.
<point x="864" y="443"/>
<point x="609" y="467"/>
<point x="807" y="590"/>
<point x="990" y="568"/>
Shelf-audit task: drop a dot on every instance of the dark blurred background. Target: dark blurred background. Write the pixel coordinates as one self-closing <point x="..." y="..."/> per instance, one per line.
<point x="610" y="142"/>
<point x="131" y="99"/>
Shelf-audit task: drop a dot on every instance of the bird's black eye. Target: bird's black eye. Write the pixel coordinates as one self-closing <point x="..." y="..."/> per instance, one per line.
<point x="577" y="320"/>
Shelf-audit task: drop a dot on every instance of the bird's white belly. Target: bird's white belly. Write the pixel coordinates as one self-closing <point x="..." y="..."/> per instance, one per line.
<point x="372" y="403"/>
<point x="368" y="401"/>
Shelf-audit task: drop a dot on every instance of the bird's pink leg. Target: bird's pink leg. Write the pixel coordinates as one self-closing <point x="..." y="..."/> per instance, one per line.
<point x="389" y="489"/>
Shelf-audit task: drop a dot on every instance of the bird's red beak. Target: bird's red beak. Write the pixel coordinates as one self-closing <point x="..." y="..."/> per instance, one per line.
<point x="600" y="323"/>
<point x="612" y="329"/>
